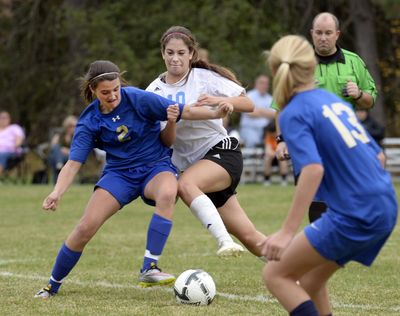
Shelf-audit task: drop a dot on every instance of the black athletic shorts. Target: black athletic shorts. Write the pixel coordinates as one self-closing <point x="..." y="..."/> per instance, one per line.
<point x="228" y="155"/>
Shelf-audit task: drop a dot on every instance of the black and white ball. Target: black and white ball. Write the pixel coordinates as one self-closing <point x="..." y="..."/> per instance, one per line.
<point x="194" y="287"/>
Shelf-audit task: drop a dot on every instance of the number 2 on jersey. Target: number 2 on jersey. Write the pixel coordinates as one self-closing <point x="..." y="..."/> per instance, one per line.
<point x="349" y="136"/>
<point x="123" y="131"/>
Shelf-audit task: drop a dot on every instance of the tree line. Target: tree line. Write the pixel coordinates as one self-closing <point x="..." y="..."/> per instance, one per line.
<point x="46" y="45"/>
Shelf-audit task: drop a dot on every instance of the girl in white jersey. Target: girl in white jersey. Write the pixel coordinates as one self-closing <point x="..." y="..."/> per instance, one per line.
<point x="211" y="161"/>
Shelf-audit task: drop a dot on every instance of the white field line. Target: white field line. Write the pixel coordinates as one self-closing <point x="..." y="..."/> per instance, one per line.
<point x="235" y="297"/>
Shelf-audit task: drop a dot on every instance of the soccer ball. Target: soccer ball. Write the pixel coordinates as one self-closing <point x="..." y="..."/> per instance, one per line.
<point x="194" y="287"/>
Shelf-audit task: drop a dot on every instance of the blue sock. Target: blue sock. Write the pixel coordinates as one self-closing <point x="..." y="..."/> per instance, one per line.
<point x="157" y="235"/>
<point x="65" y="261"/>
<point x="306" y="308"/>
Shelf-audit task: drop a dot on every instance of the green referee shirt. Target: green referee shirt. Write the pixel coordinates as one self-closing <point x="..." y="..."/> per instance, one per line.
<point x="333" y="72"/>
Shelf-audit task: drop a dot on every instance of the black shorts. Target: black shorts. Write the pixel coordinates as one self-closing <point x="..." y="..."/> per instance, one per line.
<point x="228" y="155"/>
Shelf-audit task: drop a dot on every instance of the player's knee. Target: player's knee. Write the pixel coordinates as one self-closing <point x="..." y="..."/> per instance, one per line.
<point x="167" y="196"/>
<point x="269" y="278"/>
<point x="184" y="189"/>
<point x="84" y="232"/>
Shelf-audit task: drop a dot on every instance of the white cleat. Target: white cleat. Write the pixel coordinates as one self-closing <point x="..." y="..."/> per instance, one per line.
<point x="229" y="249"/>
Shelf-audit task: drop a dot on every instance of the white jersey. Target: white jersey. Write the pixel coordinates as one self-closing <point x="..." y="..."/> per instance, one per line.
<point x="195" y="138"/>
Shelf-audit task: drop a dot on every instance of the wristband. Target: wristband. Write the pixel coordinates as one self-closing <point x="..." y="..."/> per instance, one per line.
<point x="359" y="96"/>
<point x="279" y="139"/>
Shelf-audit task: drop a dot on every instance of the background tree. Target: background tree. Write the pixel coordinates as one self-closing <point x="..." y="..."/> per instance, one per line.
<point x="47" y="44"/>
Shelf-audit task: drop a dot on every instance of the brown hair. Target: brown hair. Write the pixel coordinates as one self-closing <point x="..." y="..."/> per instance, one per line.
<point x="292" y="61"/>
<point x="181" y="32"/>
<point x="99" y="71"/>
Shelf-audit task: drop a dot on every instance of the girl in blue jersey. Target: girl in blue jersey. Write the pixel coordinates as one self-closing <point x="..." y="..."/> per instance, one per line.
<point x="124" y="122"/>
<point x="337" y="160"/>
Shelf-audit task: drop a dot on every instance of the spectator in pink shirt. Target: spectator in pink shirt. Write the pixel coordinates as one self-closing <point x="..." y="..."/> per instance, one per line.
<point x="11" y="138"/>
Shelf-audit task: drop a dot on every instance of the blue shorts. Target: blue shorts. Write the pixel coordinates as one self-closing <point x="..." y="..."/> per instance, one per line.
<point x="342" y="239"/>
<point x="127" y="185"/>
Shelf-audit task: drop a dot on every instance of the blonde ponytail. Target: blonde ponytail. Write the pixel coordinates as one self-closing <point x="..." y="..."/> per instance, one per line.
<point x="292" y="62"/>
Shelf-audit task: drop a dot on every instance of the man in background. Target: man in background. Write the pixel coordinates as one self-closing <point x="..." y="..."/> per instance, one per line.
<point x="252" y="125"/>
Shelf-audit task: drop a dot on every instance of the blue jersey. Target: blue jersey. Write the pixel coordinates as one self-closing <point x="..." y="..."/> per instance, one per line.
<point x="130" y="134"/>
<point x="320" y="128"/>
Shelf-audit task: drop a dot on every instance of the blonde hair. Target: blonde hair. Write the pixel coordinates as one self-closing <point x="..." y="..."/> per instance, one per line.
<point x="69" y="120"/>
<point x="292" y="62"/>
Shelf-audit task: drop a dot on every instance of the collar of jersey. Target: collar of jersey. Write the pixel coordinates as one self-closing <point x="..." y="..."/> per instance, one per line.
<point x="337" y="57"/>
<point x="179" y="83"/>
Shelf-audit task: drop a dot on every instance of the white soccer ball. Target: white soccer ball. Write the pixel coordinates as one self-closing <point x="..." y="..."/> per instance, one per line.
<point x="194" y="287"/>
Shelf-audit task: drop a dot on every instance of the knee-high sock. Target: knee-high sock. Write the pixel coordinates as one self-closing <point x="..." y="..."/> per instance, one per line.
<point x="306" y="308"/>
<point x="65" y="261"/>
<point x="157" y="235"/>
<point x="203" y="208"/>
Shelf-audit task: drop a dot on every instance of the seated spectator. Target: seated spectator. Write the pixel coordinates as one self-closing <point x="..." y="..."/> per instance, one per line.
<point x="252" y="124"/>
<point x="12" y="137"/>
<point x="376" y="130"/>
<point x="270" y="158"/>
<point x="60" y="145"/>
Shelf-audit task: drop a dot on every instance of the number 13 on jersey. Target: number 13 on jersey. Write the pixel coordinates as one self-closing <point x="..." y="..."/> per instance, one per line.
<point x="350" y="136"/>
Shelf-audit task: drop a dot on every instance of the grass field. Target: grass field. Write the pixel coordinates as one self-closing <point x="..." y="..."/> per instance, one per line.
<point x="104" y="281"/>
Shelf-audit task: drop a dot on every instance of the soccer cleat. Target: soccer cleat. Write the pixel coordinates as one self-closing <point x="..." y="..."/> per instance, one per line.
<point x="229" y="249"/>
<point x="154" y="276"/>
<point x="45" y="293"/>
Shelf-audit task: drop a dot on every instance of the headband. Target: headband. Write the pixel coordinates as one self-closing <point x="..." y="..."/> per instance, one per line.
<point x="178" y="33"/>
<point x="105" y="74"/>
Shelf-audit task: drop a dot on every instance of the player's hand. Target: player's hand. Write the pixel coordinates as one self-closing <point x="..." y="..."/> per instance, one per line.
<point x="173" y="113"/>
<point x="50" y="203"/>
<point x="224" y="108"/>
<point x="281" y="152"/>
<point x="352" y="89"/>
<point x="206" y="99"/>
<point x="274" y="245"/>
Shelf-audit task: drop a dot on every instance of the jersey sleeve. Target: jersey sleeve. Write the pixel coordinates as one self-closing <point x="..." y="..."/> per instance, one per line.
<point x="300" y="140"/>
<point x="154" y="107"/>
<point x="275" y="106"/>
<point x="82" y="144"/>
<point x="365" y="81"/>
<point x="374" y="146"/>
<point x="221" y="86"/>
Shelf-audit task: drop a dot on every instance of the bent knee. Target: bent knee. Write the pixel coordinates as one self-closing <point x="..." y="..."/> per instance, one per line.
<point x="167" y="196"/>
<point x="84" y="232"/>
<point x="184" y="189"/>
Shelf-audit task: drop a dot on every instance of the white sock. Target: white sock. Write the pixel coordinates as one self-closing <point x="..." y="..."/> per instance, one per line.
<point x="205" y="211"/>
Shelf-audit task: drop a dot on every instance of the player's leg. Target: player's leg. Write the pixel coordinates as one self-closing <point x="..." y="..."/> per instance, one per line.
<point x="315" y="284"/>
<point x="239" y="225"/>
<point x="283" y="170"/>
<point x="202" y="177"/>
<point x="269" y="156"/>
<point x="100" y="207"/>
<point x="162" y="189"/>
<point x="280" y="276"/>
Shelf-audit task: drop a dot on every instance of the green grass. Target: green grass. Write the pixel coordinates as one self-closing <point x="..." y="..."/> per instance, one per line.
<point x="104" y="281"/>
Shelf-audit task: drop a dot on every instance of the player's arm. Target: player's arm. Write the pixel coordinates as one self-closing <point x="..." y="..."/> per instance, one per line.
<point x="168" y="133"/>
<point x="260" y="112"/>
<point x="64" y="180"/>
<point x="202" y="113"/>
<point x="240" y="103"/>
<point x="281" y="152"/>
<point x="309" y="181"/>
